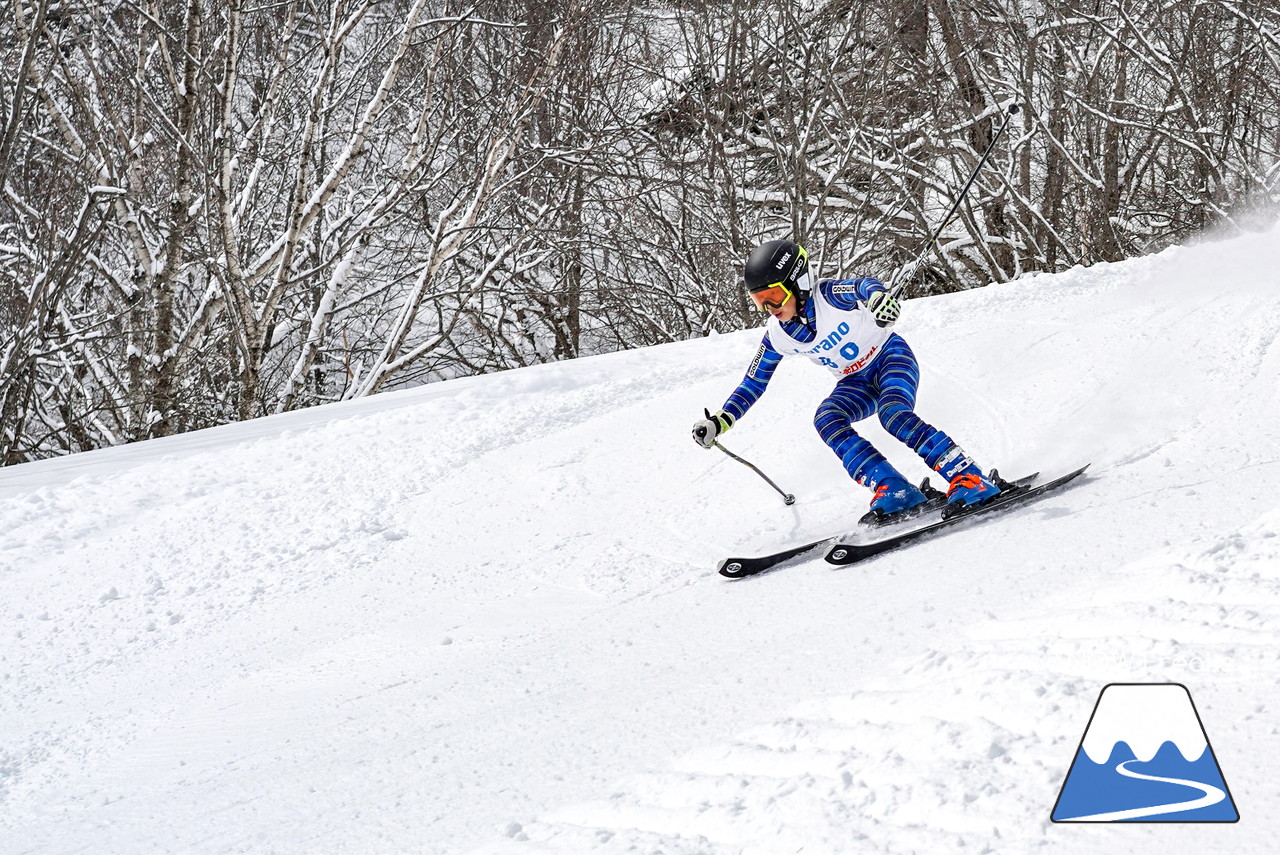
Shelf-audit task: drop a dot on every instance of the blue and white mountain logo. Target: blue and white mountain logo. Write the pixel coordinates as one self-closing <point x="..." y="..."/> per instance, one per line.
<point x="1145" y="758"/>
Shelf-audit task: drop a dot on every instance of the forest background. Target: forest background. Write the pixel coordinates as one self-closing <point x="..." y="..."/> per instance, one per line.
<point x="213" y="210"/>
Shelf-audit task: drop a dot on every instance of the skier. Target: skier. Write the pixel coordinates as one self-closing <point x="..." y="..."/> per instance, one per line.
<point x="845" y="326"/>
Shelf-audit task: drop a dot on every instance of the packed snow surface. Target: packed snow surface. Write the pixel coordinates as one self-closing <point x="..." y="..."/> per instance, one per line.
<point x="483" y="615"/>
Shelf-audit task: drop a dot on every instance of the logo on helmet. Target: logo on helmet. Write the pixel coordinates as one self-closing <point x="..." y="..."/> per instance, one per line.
<point x="782" y="261"/>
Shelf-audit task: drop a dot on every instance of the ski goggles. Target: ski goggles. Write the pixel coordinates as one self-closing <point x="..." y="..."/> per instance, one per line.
<point x="771" y="298"/>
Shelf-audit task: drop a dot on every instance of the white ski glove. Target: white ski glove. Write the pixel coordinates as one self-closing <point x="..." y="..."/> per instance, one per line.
<point x="705" y="431"/>
<point x="884" y="308"/>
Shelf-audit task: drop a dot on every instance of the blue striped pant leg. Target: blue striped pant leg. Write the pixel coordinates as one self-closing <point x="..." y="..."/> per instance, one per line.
<point x="852" y="400"/>
<point x="897" y="377"/>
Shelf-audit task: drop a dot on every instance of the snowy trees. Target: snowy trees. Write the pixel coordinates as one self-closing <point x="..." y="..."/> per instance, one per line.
<point x="212" y="210"/>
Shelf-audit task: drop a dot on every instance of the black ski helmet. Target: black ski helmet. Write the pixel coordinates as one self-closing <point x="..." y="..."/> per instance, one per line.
<point x="777" y="261"/>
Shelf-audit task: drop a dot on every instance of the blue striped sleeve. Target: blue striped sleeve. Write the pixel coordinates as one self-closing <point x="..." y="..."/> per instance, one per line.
<point x="753" y="385"/>
<point x="847" y="293"/>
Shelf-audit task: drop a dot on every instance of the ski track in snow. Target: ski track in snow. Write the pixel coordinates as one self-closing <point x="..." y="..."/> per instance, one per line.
<point x="482" y="616"/>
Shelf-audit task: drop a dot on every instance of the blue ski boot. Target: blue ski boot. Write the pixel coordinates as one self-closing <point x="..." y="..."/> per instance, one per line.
<point x="968" y="485"/>
<point x="894" y="495"/>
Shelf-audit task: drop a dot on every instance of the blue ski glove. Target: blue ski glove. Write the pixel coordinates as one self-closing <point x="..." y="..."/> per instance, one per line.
<point x="884" y="308"/>
<point x="705" y="431"/>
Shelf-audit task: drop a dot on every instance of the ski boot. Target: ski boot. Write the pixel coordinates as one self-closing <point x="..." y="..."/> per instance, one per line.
<point x="969" y="487"/>
<point x="895" y="498"/>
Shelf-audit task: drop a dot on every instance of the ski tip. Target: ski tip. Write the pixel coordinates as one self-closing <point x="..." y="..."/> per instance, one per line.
<point x="1075" y="473"/>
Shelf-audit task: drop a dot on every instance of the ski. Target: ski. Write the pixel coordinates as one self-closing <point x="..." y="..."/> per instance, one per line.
<point x="849" y="551"/>
<point x="736" y="568"/>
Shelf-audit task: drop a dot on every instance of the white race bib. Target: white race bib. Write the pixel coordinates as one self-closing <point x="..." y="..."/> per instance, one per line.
<point x="846" y="341"/>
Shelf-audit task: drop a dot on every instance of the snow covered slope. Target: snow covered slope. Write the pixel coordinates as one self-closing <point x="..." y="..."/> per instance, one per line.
<point x="483" y="616"/>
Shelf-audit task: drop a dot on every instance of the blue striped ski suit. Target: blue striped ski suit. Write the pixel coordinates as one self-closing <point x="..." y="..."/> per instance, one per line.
<point x="886" y="387"/>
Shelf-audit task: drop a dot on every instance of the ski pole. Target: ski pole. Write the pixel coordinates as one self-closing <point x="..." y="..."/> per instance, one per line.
<point x="787" y="498"/>
<point x="900" y="279"/>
